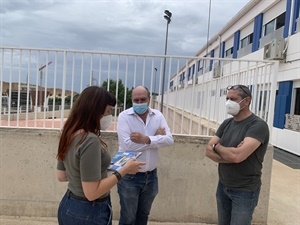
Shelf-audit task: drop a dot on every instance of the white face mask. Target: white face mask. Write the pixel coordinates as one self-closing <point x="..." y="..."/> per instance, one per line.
<point x="105" y="122"/>
<point x="233" y="108"/>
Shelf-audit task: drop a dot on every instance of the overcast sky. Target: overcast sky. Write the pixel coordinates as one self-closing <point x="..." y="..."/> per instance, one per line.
<point x="134" y="26"/>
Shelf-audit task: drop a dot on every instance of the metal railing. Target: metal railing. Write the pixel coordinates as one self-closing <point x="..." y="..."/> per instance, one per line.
<point x="40" y="86"/>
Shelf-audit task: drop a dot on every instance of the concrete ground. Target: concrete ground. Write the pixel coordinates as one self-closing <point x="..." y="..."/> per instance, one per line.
<point x="284" y="205"/>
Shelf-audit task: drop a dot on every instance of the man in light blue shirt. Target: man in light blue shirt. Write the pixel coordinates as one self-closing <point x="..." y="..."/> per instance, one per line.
<point x="143" y="129"/>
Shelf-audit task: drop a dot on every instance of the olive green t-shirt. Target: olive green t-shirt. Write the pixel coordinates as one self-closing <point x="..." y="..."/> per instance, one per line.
<point x="245" y="175"/>
<point x="85" y="162"/>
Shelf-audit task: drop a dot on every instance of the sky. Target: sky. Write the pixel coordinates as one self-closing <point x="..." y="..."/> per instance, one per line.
<point x="123" y="26"/>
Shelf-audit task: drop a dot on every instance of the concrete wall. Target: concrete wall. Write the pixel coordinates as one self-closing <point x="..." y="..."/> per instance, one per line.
<point x="187" y="179"/>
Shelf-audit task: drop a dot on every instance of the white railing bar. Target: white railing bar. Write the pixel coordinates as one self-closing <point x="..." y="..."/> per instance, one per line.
<point x="125" y="85"/>
<point x="137" y="54"/>
<point x="117" y="91"/>
<point x="168" y="87"/>
<point x="19" y="89"/>
<point x="72" y="81"/>
<point x="175" y="103"/>
<point x="273" y="96"/>
<point x="81" y="74"/>
<point x="134" y="73"/>
<point x="27" y="90"/>
<point x="63" y="90"/>
<point x="10" y="87"/>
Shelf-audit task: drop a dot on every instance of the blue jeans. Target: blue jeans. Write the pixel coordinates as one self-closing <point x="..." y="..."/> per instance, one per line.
<point x="72" y="211"/>
<point x="137" y="192"/>
<point x="235" y="207"/>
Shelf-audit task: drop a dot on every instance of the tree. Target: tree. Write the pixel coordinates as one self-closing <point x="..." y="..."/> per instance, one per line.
<point x="121" y="92"/>
<point x="58" y="100"/>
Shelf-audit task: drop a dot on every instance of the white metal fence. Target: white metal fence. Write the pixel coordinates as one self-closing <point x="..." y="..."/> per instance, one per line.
<point x="38" y="86"/>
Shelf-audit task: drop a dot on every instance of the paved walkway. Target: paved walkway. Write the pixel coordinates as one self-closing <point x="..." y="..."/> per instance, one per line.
<point x="284" y="205"/>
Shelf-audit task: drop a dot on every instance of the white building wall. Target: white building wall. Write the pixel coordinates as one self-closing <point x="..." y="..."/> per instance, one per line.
<point x="273" y="12"/>
<point x="247" y="30"/>
<point x="286" y="139"/>
<point x="290" y="70"/>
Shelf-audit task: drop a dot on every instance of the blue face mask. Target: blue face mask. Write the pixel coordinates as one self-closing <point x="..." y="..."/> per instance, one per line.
<point x="140" y="108"/>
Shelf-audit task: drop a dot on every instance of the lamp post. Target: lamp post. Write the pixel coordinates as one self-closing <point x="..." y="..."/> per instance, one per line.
<point x="167" y="16"/>
<point x="155" y="80"/>
<point x="41" y="83"/>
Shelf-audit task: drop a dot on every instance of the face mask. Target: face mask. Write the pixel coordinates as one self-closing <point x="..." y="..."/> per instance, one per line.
<point x="233" y="108"/>
<point x="105" y="122"/>
<point x="140" y="108"/>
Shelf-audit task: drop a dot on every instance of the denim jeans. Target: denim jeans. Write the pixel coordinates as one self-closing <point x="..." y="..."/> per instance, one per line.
<point x="235" y="207"/>
<point x="72" y="211"/>
<point x="137" y="192"/>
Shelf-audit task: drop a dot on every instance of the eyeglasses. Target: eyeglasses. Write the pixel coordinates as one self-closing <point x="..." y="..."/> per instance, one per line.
<point x="235" y="87"/>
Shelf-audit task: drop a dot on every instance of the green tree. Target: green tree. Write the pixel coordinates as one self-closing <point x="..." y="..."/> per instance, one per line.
<point x="59" y="102"/>
<point x="121" y="92"/>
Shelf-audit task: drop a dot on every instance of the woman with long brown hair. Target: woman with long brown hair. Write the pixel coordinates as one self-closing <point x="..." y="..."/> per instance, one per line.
<point x="83" y="159"/>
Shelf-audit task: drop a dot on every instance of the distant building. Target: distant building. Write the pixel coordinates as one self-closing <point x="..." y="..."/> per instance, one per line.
<point x="35" y="96"/>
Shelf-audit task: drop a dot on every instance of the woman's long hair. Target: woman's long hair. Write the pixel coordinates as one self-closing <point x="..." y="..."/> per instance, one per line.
<point x="85" y="115"/>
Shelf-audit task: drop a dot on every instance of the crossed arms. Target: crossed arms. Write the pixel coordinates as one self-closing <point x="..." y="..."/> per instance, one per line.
<point x="220" y="154"/>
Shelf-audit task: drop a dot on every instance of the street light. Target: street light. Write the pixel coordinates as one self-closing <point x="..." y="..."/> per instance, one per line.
<point x="41" y="83"/>
<point x="155" y="79"/>
<point x="167" y="16"/>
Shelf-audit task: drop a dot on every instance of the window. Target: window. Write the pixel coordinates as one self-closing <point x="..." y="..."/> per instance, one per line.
<point x="4" y="101"/>
<point x="269" y="27"/>
<point x="182" y="77"/>
<point x="247" y="40"/>
<point x="275" y="24"/>
<point x="189" y="74"/>
<point x="297" y="102"/>
<point x="229" y="51"/>
<point x="198" y="65"/>
<point x="280" y="21"/>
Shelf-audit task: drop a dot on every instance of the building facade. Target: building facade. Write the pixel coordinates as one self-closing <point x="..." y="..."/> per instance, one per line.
<point x="262" y="30"/>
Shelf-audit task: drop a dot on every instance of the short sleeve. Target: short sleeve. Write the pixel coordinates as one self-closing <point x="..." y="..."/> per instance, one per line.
<point x="90" y="159"/>
<point x="60" y="165"/>
<point x="259" y="131"/>
<point x="221" y="128"/>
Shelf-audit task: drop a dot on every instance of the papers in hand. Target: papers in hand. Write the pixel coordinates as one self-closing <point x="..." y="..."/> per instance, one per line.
<point x="120" y="158"/>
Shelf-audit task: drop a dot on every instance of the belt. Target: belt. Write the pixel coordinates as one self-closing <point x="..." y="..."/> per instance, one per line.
<point x="69" y="193"/>
<point x="147" y="172"/>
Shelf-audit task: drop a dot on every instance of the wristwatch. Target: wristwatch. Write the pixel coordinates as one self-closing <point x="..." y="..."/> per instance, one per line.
<point x="214" y="147"/>
<point x="118" y="175"/>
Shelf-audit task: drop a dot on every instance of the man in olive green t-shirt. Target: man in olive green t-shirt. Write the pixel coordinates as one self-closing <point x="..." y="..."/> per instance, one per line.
<point x="239" y="146"/>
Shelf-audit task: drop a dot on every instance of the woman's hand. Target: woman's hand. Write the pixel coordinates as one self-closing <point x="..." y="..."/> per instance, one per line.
<point x="131" y="167"/>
